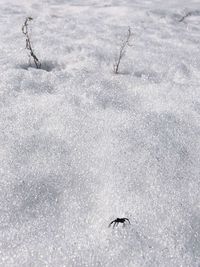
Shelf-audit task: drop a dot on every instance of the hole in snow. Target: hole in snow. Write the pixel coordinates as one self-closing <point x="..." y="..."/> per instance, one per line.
<point x="45" y="65"/>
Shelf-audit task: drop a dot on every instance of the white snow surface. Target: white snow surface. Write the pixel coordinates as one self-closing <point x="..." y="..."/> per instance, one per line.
<point x="81" y="146"/>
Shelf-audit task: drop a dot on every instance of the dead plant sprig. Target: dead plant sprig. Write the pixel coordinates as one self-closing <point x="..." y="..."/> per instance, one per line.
<point x="25" y="31"/>
<point x="122" y="51"/>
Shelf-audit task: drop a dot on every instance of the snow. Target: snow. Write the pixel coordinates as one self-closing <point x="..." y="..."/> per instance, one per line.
<point x="81" y="146"/>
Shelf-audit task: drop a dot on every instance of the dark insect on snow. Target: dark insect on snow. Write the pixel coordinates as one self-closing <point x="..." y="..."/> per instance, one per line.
<point x="119" y="220"/>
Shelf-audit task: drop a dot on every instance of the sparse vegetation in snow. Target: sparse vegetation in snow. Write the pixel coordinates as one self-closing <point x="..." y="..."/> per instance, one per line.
<point x="29" y="47"/>
<point x="122" y="51"/>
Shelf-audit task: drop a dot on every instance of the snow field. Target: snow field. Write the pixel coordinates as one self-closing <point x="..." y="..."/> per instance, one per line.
<point x="81" y="146"/>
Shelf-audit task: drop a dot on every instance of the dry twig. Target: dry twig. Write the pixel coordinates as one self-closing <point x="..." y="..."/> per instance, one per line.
<point x="185" y="16"/>
<point x="122" y="51"/>
<point x="25" y="31"/>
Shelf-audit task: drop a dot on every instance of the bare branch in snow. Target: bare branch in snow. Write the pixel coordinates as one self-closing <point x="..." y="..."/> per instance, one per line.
<point x="185" y="16"/>
<point x="122" y="51"/>
<point x="25" y="31"/>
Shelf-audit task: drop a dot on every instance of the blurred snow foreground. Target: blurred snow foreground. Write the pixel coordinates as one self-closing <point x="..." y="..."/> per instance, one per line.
<point x="81" y="146"/>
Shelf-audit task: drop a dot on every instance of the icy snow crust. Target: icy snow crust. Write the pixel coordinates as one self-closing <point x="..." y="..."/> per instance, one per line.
<point x="81" y="146"/>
